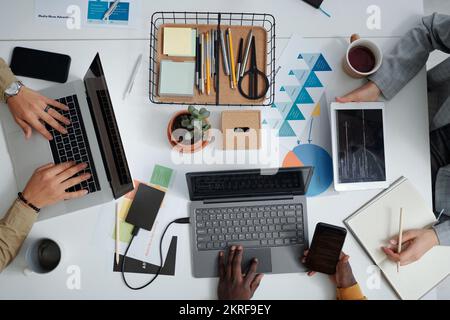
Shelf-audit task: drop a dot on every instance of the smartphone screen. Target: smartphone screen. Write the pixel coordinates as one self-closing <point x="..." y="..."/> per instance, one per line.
<point x="315" y="3"/>
<point x="325" y="248"/>
<point x="39" y="64"/>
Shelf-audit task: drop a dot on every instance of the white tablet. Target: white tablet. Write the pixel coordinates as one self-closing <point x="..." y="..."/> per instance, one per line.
<point x="358" y="136"/>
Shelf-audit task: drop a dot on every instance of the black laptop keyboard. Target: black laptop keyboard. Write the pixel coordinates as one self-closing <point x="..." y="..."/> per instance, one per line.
<point x="250" y="226"/>
<point x="74" y="145"/>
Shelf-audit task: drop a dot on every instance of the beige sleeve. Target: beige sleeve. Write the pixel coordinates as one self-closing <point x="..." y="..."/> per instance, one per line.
<point x="14" y="228"/>
<point x="6" y="78"/>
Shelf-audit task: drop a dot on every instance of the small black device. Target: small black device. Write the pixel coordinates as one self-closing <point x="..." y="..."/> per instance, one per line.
<point x="326" y="247"/>
<point x="315" y="3"/>
<point x="40" y="64"/>
<point x="145" y="207"/>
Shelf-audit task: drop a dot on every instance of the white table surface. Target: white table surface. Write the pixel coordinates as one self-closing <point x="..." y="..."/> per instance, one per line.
<point x="142" y="128"/>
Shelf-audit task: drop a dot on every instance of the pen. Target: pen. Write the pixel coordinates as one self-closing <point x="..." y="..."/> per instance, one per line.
<point x="202" y="60"/>
<point x="111" y="10"/>
<point x="247" y="50"/>
<point x="224" y="54"/>
<point x="233" y="72"/>
<point x="117" y="233"/>
<point x="239" y="61"/>
<point x="133" y="77"/>
<point x="208" y="71"/>
<point x="197" y="62"/>
<point x="399" y="245"/>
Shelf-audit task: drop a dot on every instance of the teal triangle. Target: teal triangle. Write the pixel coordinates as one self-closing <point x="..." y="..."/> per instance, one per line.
<point x="313" y="81"/>
<point x="310" y="59"/>
<point x="284" y="108"/>
<point x="286" y="130"/>
<point x="291" y="73"/>
<point x="301" y="76"/>
<point x="321" y="64"/>
<point x="282" y="89"/>
<point x="303" y="97"/>
<point x="264" y="121"/>
<point x="293" y="91"/>
<point x="273" y="105"/>
<point x="300" y="56"/>
<point x="295" y="114"/>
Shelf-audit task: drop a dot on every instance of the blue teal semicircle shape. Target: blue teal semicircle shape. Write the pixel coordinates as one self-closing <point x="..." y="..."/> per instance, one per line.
<point x="313" y="155"/>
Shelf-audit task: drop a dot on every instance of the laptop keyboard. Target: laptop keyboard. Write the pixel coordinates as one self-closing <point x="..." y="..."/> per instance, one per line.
<point x="74" y="145"/>
<point x="249" y="226"/>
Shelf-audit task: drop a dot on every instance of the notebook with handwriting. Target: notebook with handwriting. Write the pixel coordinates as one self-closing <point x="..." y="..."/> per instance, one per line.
<point x="378" y="220"/>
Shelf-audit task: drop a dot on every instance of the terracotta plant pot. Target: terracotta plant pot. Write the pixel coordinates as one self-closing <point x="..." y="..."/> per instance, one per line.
<point x="182" y="147"/>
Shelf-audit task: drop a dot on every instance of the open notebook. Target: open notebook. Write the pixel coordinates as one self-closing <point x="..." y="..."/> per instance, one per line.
<point x="378" y="220"/>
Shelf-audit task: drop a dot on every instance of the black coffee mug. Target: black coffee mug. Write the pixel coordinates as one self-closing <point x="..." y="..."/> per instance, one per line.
<point x="42" y="256"/>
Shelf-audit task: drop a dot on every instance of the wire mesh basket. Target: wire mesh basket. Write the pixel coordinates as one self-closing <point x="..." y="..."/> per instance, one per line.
<point x="266" y="21"/>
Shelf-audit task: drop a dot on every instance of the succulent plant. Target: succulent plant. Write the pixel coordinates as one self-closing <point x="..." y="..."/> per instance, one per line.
<point x="195" y="122"/>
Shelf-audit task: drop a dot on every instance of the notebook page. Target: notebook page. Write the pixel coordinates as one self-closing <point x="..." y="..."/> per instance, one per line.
<point x="416" y="279"/>
<point x="378" y="221"/>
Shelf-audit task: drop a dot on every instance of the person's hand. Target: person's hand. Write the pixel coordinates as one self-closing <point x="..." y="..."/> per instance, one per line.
<point x="415" y="243"/>
<point x="343" y="278"/>
<point x="28" y="110"/>
<point x="367" y="93"/>
<point x="233" y="285"/>
<point x="49" y="183"/>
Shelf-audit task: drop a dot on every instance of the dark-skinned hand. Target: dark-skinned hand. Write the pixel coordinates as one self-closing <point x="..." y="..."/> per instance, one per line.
<point x="233" y="285"/>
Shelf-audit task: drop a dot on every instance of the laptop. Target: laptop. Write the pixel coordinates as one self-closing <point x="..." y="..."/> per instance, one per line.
<point x="93" y="137"/>
<point x="264" y="210"/>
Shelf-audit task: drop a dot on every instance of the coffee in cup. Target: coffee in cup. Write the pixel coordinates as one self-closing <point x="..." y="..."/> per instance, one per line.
<point x="363" y="58"/>
<point x="42" y="256"/>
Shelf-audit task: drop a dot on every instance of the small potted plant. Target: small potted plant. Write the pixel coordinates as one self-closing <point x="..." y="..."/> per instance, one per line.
<point x="188" y="129"/>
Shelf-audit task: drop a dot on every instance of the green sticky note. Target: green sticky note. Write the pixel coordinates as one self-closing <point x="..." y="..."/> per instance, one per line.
<point x="125" y="232"/>
<point x="161" y="176"/>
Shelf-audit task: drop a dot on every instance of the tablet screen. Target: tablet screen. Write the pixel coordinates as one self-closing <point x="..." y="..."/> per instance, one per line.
<point x="360" y="145"/>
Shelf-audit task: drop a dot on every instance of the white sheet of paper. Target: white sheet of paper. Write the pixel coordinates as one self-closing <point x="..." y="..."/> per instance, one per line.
<point x="55" y="11"/>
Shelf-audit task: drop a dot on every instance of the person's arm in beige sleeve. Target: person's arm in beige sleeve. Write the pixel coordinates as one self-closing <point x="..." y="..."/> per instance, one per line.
<point x="47" y="186"/>
<point x="6" y="78"/>
<point x="14" y="228"/>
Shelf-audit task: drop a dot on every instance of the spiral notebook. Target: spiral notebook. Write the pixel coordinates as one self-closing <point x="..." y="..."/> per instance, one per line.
<point x="378" y="220"/>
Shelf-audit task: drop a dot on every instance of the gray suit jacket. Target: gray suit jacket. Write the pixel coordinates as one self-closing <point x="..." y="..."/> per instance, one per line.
<point x="400" y="65"/>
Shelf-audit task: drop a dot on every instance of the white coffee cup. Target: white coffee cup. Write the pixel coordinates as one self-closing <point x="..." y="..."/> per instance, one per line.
<point x="356" y="41"/>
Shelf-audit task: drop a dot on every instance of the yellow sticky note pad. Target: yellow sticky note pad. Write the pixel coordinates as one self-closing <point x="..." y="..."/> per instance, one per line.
<point x="179" y="42"/>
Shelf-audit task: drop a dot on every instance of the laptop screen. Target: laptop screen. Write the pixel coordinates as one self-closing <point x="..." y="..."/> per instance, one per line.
<point x="248" y="183"/>
<point x="107" y="132"/>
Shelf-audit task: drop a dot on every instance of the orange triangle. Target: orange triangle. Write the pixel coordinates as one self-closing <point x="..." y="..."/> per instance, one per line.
<point x="316" y="111"/>
<point x="291" y="160"/>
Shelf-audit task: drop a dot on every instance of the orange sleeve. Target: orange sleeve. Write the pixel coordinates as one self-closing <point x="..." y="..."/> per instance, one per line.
<point x="351" y="293"/>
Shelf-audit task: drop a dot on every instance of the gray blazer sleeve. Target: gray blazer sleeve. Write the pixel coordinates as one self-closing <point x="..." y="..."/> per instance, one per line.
<point x="411" y="53"/>
<point x="443" y="232"/>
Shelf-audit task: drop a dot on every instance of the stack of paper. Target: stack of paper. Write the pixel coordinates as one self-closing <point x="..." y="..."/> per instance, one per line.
<point x="176" y="78"/>
<point x="179" y="42"/>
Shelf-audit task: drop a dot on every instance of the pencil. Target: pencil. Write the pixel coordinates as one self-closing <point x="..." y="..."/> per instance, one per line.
<point x="233" y="69"/>
<point x="117" y="232"/>
<point x="208" y="71"/>
<point x="400" y="231"/>
<point x="202" y="62"/>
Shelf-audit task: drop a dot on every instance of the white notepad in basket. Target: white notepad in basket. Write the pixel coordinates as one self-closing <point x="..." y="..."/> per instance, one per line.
<point x="378" y="220"/>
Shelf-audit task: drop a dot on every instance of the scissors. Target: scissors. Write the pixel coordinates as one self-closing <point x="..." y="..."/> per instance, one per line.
<point x="254" y="93"/>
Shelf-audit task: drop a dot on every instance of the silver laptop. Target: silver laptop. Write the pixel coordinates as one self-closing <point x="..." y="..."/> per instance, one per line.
<point x="93" y="137"/>
<point x="264" y="211"/>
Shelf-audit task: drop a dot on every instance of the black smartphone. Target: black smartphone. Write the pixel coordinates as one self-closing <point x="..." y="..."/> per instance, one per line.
<point x="39" y="64"/>
<point x="326" y="247"/>
<point x="315" y="3"/>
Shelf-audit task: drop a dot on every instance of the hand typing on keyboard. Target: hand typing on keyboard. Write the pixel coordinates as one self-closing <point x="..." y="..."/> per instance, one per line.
<point x="29" y="108"/>
<point x="233" y="285"/>
<point x="49" y="183"/>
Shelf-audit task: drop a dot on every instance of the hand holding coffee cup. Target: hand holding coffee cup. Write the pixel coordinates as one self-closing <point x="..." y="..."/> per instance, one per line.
<point x="363" y="57"/>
